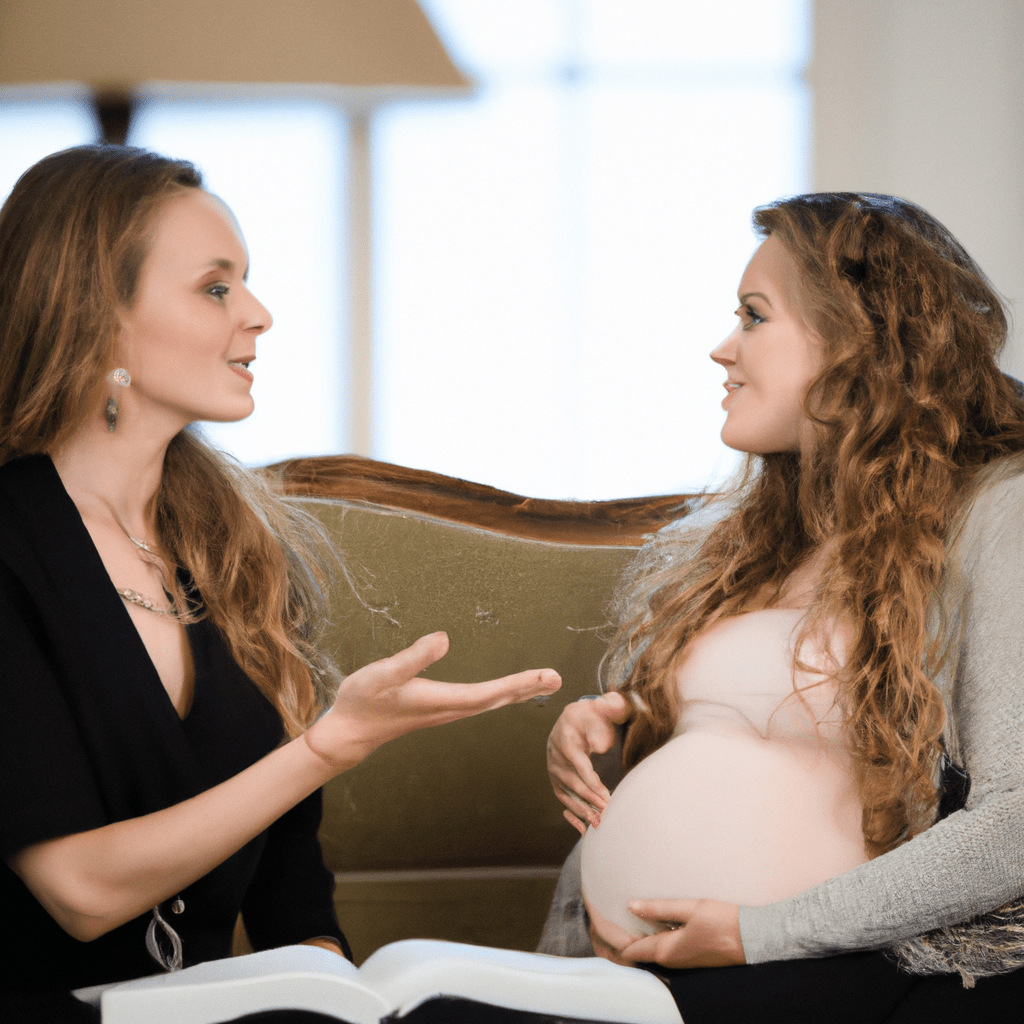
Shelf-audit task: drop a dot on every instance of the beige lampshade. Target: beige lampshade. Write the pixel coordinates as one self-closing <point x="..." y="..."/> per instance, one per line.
<point x="114" y="45"/>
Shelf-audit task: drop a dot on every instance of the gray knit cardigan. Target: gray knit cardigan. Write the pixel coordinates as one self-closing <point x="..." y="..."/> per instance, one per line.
<point x="932" y="898"/>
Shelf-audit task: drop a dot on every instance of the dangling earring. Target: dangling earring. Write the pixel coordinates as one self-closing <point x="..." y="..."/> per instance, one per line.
<point x="122" y="378"/>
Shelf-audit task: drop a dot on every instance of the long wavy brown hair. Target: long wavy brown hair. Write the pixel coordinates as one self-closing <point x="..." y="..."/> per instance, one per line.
<point x="908" y="408"/>
<point x="74" y="233"/>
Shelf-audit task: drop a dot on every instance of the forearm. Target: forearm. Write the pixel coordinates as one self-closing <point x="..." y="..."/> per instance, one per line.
<point x="963" y="866"/>
<point x="92" y="882"/>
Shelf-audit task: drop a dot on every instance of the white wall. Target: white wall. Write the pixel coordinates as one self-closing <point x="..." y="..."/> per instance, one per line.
<point x="925" y="99"/>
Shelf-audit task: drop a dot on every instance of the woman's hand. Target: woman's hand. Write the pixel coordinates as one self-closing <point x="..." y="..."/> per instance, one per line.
<point x="584" y="728"/>
<point x="385" y="700"/>
<point x="91" y="882"/>
<point x="702" y="933"/>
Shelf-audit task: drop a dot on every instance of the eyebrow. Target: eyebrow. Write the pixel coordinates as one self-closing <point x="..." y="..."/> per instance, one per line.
<point x="754" y="295"/>
<point x="228" y="266"/>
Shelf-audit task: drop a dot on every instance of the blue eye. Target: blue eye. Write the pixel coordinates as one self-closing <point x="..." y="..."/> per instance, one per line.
<point x="752" y="317"/>
<point x="218" y="291"/>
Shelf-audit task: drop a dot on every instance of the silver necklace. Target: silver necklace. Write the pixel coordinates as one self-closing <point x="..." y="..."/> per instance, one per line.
<point x="134" y="596"/>
<point x="143" y="545"/>
<point x="144" y="602"/>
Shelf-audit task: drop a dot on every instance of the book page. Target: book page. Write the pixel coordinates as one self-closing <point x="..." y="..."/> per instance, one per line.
<point x="299" y="977"/>
<point x="269" y="961"/>
<point x="410" y="972"/>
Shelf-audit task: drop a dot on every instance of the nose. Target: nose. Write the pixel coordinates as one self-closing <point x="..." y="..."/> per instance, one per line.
<point x="725" y="353"/>
<point x="258" y="319"/>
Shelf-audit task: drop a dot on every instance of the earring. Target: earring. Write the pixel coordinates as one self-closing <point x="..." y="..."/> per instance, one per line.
<point x="122" y="378"/>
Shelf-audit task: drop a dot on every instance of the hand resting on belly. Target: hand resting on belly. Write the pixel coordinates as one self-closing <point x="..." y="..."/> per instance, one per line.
<point x="751" y="801"/>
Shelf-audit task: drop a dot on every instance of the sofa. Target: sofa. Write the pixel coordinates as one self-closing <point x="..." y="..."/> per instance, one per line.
<point x="454" y="832"/>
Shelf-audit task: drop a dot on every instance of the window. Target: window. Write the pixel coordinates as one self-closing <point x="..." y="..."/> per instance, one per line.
<point x="554" y="257"/>
<point x="558" y="255"/>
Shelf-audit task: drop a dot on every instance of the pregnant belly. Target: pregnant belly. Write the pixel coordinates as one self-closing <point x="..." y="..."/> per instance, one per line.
<point x="725" y="815"/>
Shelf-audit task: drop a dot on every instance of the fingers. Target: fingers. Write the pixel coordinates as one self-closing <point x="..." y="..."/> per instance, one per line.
<point x="474" y="698"/>
<point x="585" y="796"/>
<point x="575" y="822"/>
<point x="668" y="911"/>
<point x="598" y="719"/>
<point x="547" y="682"/>
<point x="645" y="950"/>
<point x="585" y="805"/>
<point x="580" y="809"/>
<point x="422" y="703"/>
<point x="617" y="709"/>
<point x="593" y="790"/>
<point x="701" y="933"/>
<point x="583" y="728"/>
<point x="416" y="657"/>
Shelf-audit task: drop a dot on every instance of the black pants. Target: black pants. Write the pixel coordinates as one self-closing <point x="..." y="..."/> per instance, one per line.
<point x="858" y="988"/>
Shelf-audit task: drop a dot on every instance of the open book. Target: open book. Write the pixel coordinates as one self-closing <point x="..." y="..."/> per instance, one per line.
<point x="390" y="986"/>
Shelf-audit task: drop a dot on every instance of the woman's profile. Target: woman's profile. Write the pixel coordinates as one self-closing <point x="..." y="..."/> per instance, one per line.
<point x="168" y="718"/>
<point x="819" y="674"/>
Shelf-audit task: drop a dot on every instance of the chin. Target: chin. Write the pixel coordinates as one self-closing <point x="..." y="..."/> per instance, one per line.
<point x="227" y="416"/>
<point x="758" y="442"/>
<point x="739" y="442"/>
<point x="751" y="446"/>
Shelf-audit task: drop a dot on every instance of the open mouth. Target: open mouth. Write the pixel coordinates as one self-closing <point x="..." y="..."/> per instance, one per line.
<point x="236" y="362"/>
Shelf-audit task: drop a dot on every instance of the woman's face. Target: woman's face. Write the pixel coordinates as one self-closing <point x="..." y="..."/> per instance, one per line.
<point x="771" y="358"/>
<point x="191" y="332"/>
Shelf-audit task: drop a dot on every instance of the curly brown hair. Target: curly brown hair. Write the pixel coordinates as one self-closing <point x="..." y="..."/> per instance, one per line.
<point x="74" y="233"/>
<point x="909" y="406"/>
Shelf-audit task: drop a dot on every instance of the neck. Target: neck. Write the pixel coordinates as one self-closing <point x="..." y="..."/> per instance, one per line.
<point x="114" y="475"/>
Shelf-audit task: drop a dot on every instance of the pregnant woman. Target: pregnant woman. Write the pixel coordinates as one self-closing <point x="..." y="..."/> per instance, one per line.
<point x="821" y="673"/>
<point x="167" y="719"/>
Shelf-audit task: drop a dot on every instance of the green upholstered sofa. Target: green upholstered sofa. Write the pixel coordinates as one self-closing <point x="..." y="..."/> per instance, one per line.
<point x="454" y="832"/>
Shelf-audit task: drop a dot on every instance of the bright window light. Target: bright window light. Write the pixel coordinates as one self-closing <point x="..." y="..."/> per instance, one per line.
<point x="558" y="255"/>
<point x="554" y="257"/>
<point x="32" y="128"/>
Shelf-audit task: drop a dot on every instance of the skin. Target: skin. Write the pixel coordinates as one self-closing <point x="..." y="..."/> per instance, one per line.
<point x="770" y="358"/>
<point x="192" y="317"/>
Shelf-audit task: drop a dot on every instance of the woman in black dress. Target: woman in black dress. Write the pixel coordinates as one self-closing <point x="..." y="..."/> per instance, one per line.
<point x="162" y="744"/>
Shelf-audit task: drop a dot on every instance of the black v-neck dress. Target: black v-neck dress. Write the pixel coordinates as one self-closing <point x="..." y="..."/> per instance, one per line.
<point x="89" y="736"/>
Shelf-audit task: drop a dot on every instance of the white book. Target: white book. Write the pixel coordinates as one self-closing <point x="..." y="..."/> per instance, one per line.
<point x="391" y="983"/>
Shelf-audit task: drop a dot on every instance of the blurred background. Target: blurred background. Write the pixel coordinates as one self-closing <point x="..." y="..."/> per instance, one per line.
<point x="500" y="237"/>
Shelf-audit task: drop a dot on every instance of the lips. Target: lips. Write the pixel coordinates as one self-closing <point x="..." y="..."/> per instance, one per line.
<point x="732" y="387"/>
<point x="241" y="367"/>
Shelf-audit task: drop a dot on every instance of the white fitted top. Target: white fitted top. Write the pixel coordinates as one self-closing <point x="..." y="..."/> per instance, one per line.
<point x="752" y="799"/>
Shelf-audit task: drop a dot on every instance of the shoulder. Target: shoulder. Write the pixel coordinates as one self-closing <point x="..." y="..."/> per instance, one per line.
<point x="992" y="519"/>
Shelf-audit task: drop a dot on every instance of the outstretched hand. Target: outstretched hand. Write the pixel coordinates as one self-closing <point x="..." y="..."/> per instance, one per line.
<point x="386" y="699"/>
<point x="702" y="933"/>
<point x="584" y="728"/>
